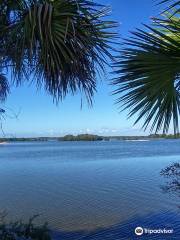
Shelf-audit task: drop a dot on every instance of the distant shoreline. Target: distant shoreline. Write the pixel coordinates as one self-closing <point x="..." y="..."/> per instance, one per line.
<point x="89" y="137"/>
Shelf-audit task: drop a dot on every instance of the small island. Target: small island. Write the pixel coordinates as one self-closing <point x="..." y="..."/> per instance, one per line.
<point x="81" y="137"/>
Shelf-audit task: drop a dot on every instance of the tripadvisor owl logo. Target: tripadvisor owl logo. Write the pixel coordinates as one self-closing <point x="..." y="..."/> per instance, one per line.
<point x="139" y="231"/>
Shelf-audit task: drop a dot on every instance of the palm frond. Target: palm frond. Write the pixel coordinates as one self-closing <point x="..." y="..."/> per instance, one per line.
<point x="60" y="44"/>
<point x="173" y="5"/>
<point x="4" y="88"/>
<point x="149" y="78"/>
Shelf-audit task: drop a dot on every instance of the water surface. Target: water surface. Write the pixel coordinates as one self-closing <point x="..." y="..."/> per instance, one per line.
<point x="85" y="187"/>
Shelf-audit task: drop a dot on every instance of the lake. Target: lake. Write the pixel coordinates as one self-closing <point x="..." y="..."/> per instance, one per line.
<point x="91" y="190"/>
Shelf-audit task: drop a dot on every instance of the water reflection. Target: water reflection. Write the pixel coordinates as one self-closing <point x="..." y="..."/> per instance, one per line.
<point x="172" y="173"/>
<point x="125" y="231"/>
<point x="90" y="190"/>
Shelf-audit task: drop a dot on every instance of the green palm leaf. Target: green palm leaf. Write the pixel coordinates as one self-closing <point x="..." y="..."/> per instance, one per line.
<point x="60" y="44"/>
<point x="148" y="77"/>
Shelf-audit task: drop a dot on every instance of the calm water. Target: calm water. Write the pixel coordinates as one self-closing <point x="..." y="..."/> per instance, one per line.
<point x="86" y="190"/>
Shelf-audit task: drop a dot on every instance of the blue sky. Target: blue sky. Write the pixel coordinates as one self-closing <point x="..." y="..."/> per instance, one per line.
<point x="39" y="116"/>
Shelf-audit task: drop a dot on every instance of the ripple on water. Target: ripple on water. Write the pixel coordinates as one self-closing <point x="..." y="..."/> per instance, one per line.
<point x="88" y="186"/>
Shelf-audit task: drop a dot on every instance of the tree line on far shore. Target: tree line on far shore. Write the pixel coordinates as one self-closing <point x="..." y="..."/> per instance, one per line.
<point x="90" y="137"/>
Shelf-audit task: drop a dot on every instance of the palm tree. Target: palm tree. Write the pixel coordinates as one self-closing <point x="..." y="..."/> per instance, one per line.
<point x="148" y="69"/>
<point x="60" y="44"/>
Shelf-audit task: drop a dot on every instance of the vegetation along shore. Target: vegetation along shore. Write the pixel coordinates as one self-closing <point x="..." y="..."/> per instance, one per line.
<point x="90" y="137"/>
